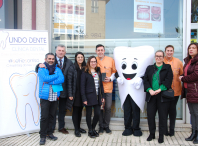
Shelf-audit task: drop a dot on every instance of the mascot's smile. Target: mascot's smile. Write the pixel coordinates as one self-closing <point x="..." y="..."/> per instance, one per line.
<point x="129" y="76"/>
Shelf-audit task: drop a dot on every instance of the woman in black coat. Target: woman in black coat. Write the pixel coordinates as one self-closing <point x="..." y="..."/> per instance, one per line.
<point x="74" y="95"/>
<point x="92" y="93"/>
<point x="157" y="78"/>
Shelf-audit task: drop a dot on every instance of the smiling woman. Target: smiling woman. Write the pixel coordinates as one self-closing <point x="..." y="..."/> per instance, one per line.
<point x="157" y="78"/>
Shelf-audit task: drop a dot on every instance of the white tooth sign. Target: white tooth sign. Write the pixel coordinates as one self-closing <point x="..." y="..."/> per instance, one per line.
<point x="24" y="88"/>
<point x="131" y="63"/>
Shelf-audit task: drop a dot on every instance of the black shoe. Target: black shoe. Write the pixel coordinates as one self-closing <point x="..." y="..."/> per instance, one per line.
<point x="82" y="130"/>
<point x="192" y="136"/>
<point x="172" y="132"/>
<point x="42" y="141"/>
<point x="91" y="134"/>
<point x="52" y="137"/>
<point x="161" y="138"/>
<point x="101" y="130"/>
<point x="151" y="137"/>
<point x="77" y="133"/>
<point x="167" y="133"/>
<point x="127" y="132"/>
<point x="96" y="133"/>
<point x="108" y="130"/>
<point x="137" y="133"/>
<point x="196" y="138"/>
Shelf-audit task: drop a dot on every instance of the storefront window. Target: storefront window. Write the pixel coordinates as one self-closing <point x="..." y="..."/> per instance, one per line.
<point x="194" y="11"/>
<point x="116" y="23"/>
<point x="194" y="35"/>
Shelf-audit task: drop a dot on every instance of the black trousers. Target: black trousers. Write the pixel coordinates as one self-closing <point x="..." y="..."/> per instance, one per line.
<point x="61" y="114"/>
<point x="153" y="106"/>
<point x="131" y="114"/>
<point x="95" y="118"/>
<point x="76" y="116"/>
<point x="48" y="113"/>
<point x="172" y="113"/>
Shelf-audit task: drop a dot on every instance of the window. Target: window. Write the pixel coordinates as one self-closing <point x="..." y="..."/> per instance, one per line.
<point x="94" y="6"/>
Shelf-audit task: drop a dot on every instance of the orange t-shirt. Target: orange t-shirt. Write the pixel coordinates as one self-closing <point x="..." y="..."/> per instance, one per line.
<point x="107" y="65"/>
<point x="177" y="68"/>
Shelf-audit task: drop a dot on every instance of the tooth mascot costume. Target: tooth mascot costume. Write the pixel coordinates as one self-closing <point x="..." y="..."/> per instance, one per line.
<point x="131" y="64"/>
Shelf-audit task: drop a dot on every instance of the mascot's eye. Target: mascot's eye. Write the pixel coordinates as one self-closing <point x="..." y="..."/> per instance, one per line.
<point x="134" y="65"/>
<point x="124" y="65"/>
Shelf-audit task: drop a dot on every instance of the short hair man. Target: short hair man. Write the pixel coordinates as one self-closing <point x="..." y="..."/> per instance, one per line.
<point x="64" y="64"/>
<point x="107" y="65"/>
<point x="49" y="77"/>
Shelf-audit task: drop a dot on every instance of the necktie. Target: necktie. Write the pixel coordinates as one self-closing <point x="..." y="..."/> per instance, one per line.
<point x="61" y="66"/>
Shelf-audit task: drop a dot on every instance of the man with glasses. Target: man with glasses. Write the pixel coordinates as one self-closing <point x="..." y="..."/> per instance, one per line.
<point x="107" y="65"/>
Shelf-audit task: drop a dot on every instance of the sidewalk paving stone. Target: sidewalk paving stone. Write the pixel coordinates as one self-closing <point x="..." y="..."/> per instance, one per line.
<point x="114" y="139"/>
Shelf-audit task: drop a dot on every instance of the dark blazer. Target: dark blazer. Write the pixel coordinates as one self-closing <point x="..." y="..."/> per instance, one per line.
<point x="88" y="90"/>
<point x="71" y="86"/>
<point x="165" y="76"/>
<point x="192" y="81"/>
<point x="67" y="63"/>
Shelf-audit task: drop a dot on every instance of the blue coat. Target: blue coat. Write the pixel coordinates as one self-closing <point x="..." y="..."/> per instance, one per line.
<point x="45" y="80"/>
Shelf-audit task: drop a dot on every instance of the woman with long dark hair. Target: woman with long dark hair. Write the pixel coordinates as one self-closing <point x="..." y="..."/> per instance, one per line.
<point x="190" y="89"/>
<point x="74" y="95"/>
<point x="92" y="93"/>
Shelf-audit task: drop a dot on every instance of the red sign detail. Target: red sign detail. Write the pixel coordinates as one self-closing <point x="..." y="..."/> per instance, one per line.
<point x="1" y="3"/>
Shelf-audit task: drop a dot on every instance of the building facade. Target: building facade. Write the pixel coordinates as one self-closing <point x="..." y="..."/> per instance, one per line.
<point x="82" y="24"/>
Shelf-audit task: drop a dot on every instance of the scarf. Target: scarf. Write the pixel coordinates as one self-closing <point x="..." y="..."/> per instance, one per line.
<point x="51" y="68"/>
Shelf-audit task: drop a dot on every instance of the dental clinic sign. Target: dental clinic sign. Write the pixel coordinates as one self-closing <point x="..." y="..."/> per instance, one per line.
<point x="148" y="16"/>
<point x="20" y="52"/>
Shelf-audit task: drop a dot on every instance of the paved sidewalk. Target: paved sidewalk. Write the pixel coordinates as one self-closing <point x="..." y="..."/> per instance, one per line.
<point x="114" y="139"/>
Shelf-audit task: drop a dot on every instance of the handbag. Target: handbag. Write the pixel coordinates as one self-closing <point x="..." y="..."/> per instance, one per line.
<point x="168" y="93"/>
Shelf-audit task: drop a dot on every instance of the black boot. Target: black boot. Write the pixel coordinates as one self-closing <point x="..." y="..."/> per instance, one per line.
<point x="77" y="133"/>
<point x="192" y="136"/>
<point x="151" y="137"/>
<point x="161" y="138"/>
<point x="91" y="134"/>
<point x="172" y="132"/>
<point x="196" y="138"/>
<point x="167" y="133"/>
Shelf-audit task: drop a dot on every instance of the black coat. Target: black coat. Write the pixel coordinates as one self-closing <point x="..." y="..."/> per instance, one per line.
<point x="88" y="90"/>
<point x="165" y="76"/>
<point x="72" y="84"/>
<point x="67" y="63"/>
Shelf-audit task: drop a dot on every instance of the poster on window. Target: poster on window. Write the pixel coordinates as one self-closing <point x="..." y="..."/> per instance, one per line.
<point x="70" y="17"/>
<point x="20" y="52"/>
<point x="148" y="16"/>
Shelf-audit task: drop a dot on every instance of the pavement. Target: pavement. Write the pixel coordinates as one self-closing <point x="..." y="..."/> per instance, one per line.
<point x="114" y="139"/>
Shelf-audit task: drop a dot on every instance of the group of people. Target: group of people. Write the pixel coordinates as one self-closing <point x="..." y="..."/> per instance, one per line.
<point x="68" y="85"/>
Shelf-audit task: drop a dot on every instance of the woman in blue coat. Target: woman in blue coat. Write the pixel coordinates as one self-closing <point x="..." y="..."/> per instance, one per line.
<point x="92" y="93"/>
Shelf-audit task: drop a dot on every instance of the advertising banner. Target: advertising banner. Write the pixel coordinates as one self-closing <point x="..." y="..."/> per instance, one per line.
<point x="2" y="14"/>
<point x="148" y="16"/>
<point x="70" y="17"/>
<point x="20" y="52"/>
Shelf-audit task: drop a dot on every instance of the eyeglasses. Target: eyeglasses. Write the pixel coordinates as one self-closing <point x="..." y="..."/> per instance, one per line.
<point x="92" y="61"/>
<point x="159" y="56"/>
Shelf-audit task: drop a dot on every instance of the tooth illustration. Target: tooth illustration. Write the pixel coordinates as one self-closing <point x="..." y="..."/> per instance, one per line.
<point x="156" y="13"/>
<point x="131" y="63"/>
<point x="143" y="12"/>
<point x="3" y="38"/>
<point x="24" y="88"/>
